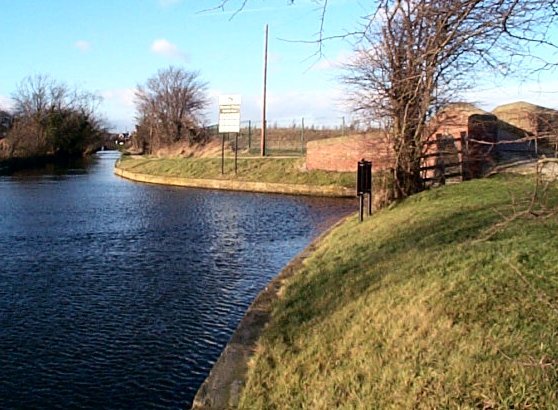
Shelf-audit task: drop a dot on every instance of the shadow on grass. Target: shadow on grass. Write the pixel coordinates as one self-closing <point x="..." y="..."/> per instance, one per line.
<point x="334" y="277"/>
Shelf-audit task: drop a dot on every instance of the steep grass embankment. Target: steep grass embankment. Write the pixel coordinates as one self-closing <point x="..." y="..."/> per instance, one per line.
<point x="433" y="303"/>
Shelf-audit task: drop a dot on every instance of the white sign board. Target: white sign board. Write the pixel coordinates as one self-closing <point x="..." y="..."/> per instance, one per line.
<point x="229" y="113"/>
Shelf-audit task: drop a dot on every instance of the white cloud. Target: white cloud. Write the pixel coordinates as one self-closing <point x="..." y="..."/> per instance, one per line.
<point x="82" y="45"/>
<point x="544" y="94"/>
<point x="123" y="96"/>
<point x="165" y="48"/>
<point x="275" y="58"/>
<point x="119" y="108"/>
<point x="337" y="63"/>
<point x="6" y="103"/>
<point x="325" y="64"/>
<point x="317" y="107"/>
<point x="321" y="106"/>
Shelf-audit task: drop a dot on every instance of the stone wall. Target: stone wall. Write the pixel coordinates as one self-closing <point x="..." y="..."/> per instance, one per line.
<point x="238" y="185"/>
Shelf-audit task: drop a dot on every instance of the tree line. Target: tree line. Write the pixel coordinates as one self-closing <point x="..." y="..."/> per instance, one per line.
<point x="51" y="119"/>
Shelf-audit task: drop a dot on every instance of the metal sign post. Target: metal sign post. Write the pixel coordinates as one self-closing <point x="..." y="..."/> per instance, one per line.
<point x="235" y="153"/>
<point x="222" y="154"/>
<point x="364" y="186"/>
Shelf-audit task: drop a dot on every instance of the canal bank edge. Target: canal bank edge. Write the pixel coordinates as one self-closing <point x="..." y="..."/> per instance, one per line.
<point x="222" y="388"/>
<point x="237" y="185"/>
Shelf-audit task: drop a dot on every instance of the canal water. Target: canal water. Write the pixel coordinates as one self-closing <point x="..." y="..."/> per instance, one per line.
<point x="115" y="294"/>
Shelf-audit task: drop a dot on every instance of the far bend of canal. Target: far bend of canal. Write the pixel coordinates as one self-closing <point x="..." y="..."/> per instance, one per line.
<point x="115" y="294"/>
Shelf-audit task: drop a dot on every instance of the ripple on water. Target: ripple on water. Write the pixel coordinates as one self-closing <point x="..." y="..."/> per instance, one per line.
<point x="116" y="294"/>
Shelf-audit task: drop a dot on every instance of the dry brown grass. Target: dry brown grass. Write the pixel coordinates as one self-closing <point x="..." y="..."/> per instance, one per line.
<point x="185" y="150"/>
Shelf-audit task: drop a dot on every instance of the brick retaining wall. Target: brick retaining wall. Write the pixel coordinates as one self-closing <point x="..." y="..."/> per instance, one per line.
<point x="342" y="154"/>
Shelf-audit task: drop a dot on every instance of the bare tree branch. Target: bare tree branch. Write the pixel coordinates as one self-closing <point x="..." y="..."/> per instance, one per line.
<point x="170" y="106"/>
<point x="417" y="55"/>
<point x="52" y="119"/>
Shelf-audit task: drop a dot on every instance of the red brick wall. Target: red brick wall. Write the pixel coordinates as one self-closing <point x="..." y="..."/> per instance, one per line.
<point x="342" y="154"/>
<point x="453" y="122"/>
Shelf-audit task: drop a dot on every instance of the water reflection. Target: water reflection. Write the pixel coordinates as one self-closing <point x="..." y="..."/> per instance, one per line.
<point x="118" y="294"/>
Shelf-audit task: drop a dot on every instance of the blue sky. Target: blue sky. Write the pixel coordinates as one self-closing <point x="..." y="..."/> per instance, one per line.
<point x="110" y="46"/>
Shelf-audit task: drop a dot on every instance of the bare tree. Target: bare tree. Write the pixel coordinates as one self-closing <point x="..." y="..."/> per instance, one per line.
<point x="415" y="56"/>
<point x="34" y="98"/>
<point x="52" y="119"/>
<point x="170" y="106"/>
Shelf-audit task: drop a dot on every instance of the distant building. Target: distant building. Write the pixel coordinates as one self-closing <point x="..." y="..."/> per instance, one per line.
<point x="122" y="138"/>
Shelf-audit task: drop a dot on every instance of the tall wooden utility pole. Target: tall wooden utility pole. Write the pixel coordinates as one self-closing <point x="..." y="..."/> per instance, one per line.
<point x="264" y="119"/>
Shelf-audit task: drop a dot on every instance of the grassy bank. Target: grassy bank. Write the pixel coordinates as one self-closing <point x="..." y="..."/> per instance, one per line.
<point x="270" y="170"/>
<point x="433" y="303"/>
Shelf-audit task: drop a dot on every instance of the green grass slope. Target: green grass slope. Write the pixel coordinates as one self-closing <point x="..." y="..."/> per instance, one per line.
<point x="271" y="170"/>
<point x="433" y="303"/>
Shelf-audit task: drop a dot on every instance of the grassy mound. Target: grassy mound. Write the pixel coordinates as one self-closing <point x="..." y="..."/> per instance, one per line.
<point x="434" y="303"/>
<point x="280" y="170"/>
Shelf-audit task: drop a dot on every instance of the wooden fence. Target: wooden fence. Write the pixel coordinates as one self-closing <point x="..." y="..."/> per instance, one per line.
<point x="444" y="159"/>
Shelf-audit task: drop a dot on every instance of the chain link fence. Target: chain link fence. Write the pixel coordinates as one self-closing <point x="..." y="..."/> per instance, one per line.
<point x="286" y="137"/>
